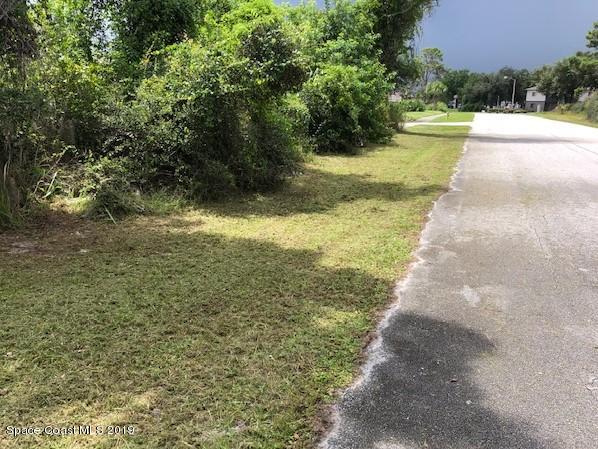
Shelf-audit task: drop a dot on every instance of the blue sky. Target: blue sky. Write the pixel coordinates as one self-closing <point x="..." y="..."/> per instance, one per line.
<point x="485" y="35"/>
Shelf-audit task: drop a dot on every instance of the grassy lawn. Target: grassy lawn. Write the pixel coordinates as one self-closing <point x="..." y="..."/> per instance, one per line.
<point x="222" y="326"/>
<point x="571" y="117"/>
<point x="412" y="116"/>
<point x="453" y="117"/>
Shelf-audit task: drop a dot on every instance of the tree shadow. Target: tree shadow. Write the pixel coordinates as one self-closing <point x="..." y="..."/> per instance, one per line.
<point x="182" y="333"/>
<point x="455" y="133"/>
<point x="423" y="395"/>
<point x="208" y="341"/>
<point x="318" y="191"/>
<point x="522" y="139"/>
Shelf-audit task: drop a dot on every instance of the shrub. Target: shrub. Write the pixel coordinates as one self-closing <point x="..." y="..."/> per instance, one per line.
<point x="412" y="105"/>
<point x="472" y="107"/>
<point x="348" y="106"/>
<point x="562" y="108"/>
<point x="578" y="107"/>
<point x="441" y="106"/>
<point x="107" y="184"/>
<point x="217" y="118"/>
<point x="396" y="116"/>
<point x="591" y="108"/>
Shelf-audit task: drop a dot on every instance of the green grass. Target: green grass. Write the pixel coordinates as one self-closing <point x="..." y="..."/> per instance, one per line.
<point x="412" y="116"/>
<point x="570" y="117"/>
<point x="453" y="117"/>
<point x="224" y="326"/>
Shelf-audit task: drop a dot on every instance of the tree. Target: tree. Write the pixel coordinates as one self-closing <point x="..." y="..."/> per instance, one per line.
<point x="396" y="23"/>
<point x="564" y="79"/>
<point x="432" y="65"/>
<point x="145" y="26"/>
<point x="455" y="80"/>
<point x="17" y="36"/>
<point x="435" y="91"/>
<point x="592" y="37"/>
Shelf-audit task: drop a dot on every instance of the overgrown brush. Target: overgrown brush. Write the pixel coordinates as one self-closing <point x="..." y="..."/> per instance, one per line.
<point x="231" y="98"/>
<point x="591" y="107"/>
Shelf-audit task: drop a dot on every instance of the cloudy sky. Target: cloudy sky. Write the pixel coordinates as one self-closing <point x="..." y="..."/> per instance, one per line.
<point x="485" y="35"/>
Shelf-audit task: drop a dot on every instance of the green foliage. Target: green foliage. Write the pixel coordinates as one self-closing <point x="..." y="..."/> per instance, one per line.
<point x="592" y="37"/>
<point x="562" y="80"/>
<point x="431" y="60"/>
<point x="435" y="91"/>
<point x="106" y="183"/>
<point x="412" y="105"/>
<point x="202" y="96"/>
<point x="145" y="26"/>
<point x="348" y="106"/>
<point x="440" y="106"/>
<point x="396" y="116"/>
<point x="395" y="24"/>
<point x="17" y="35"/>
<point x="476" y="91"/>
<point x="6" y="210"/>
<point x="591" y="108"/>
<point x="216" y="119"/>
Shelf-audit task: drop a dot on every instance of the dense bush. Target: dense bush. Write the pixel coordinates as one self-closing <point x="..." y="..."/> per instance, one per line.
<point x="472" y="107"/>
<point x="106" y="183"/>
<point x="347" y="105"/>
<point x="217" y="119"/>
<point x="591" y="108"/>
<point x="105" y="99"/>
<point x="396" y="116"/>
<point x="412" y="105"/>
<point x="438" y="106"/>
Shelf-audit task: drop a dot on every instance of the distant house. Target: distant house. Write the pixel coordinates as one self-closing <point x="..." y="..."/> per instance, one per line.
<point x="535" y="101"/>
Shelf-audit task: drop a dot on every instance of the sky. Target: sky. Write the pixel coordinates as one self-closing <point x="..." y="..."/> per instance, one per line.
<point x="485" y="35"/>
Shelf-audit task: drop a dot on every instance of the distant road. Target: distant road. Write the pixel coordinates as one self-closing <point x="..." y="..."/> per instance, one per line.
<point x="494" y="342"/>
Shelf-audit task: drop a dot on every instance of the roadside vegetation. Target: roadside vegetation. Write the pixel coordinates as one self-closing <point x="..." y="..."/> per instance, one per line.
<point x="111" y="99"/>
<point x="226" y="325"/>
<point x="568" y="116"/>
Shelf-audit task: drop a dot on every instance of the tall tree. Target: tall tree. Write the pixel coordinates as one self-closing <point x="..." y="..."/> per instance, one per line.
<point x="17" y="36"/>
<point x="432" y="65"/>
<point x="592" y="37"/>
<point x="144" y="26"/>
<point x="396" y="22"/>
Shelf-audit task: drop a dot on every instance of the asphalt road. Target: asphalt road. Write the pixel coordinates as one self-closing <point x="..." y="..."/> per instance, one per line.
<point x="493" y="342"/>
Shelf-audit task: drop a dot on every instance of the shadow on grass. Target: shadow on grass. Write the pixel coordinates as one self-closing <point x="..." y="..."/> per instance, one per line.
<point x="317" y="191"/>
<point x="423" y="394"/>
<point x="206" y="341"/>
<point x="184" y="334"/>
<point x="457" y="133"/>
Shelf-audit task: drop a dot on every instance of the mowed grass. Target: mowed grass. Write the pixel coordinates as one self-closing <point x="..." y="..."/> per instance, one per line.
<point x="453" y="117"/>
<point x="570" y="117"/>
<point x="412" y="116"/>
<point x="223" y="326"/>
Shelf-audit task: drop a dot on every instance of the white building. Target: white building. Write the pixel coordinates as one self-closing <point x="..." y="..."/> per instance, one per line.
<point x="535" y="101"/>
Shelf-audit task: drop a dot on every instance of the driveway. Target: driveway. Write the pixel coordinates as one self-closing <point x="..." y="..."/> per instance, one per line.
<point x="493" y="342"/>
